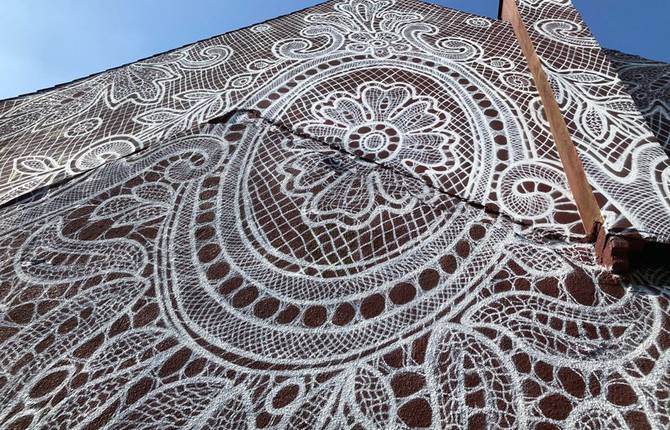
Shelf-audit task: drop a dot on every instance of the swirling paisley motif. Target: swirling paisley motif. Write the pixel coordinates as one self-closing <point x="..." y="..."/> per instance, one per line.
<point x="538" y="191"/>
<point x="199" y="58"/>
<point x="567" y="32"/>
<point x="451" y="48"/>
<point x="519" y="81"/>
<point x="103" y="151"/>
<point x="42" y="258"/>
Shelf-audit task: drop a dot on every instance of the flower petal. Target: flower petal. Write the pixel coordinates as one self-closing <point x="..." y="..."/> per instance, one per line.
<point x="384" y="102"/>
<point x="344" y="111"/>
<point x="425" y="148"/>
<point x="415" y="117"/>
<point x="324" y="133"/>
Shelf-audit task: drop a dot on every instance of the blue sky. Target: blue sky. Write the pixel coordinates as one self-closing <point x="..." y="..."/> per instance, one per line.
<point x="46" y="42"/>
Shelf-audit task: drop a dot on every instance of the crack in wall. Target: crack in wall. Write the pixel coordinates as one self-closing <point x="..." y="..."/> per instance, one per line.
<point x="534" y="233"/>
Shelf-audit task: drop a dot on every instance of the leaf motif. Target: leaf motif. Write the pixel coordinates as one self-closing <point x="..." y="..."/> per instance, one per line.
<point x="458" y="352"/>
<point x="35" y="165"/>
<point x="260" y="65"/>
<point x="141" y="215"/>
<point x="208" y="103"/>
<point x="153" y="192"/>
<point x="196" y="95"/>
<point x="173" y="404"/>
<point x="393" y="21"/>
<point x="159" y="117"/>
<point x="232" y="414"/>
<point x="317" y="407"/>
<point x="538" y="260"/>
<point x="213" y="109"/>
<point x="83" y="403"/>
<point x="560" y="329"/>
<point x="623" y="105"/>
<point x="372" y="397"/>
<point x="585" y="77"/>
<point x="132" y="210"/>
<point x="109" y="357"/>
<point x="595" y="123"/>
<point x="47" y="382"/>
<point x="115" y="206"/>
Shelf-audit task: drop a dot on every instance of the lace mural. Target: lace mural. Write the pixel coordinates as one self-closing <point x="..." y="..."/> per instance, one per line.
<point x="359" y="221"/>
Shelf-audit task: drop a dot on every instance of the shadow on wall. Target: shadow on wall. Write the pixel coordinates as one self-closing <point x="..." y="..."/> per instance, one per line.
<point x="648" y="82"/>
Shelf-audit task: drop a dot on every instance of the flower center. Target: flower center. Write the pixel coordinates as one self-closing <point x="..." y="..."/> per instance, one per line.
<point x="375" y="141"/>
<point x="379" y="43"/>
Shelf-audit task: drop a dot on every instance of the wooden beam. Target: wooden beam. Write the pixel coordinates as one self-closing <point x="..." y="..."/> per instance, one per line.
<point x="588" y="207"/>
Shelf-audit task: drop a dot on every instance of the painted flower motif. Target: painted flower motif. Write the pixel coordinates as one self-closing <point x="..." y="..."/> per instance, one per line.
<point x="387" y="124"/>
<point x="368" y="26"/>
<point x="345" y="191"/>
<point x="380" y="45"/>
